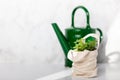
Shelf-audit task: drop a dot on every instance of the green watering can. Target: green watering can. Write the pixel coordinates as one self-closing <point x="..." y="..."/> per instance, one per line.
<point x="73" y="33"/>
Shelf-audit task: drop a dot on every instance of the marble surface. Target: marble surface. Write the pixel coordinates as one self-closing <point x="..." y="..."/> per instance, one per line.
<point x="27" y="72"/>
<point x="105" y="72"/>
<point x="45" y="71"/>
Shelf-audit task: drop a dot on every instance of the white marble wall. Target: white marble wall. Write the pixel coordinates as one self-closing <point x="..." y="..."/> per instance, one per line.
<point x="26" y="35"/>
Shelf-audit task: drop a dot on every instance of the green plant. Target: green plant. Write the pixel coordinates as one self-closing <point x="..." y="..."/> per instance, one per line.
<point x="89" y="44"/>
<point x="80" y="45"/>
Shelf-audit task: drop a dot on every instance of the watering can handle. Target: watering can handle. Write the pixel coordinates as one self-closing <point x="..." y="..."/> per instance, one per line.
<point x="87" y="16"/>
<point x="101" y="34"/>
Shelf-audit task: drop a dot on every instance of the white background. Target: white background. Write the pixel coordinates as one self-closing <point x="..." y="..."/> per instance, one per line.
<point x="26" y="34"/>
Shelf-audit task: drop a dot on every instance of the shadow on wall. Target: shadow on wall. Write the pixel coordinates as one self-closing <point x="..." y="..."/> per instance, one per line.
<point x="114" y="57"/>
<point x="110" y="57"/>
<point x="102" y="58"/>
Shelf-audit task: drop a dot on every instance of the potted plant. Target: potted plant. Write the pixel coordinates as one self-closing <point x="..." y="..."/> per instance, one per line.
<point x="84" y="56"/>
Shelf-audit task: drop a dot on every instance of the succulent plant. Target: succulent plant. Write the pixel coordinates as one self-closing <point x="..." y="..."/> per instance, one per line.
<point x="91" y="43"/>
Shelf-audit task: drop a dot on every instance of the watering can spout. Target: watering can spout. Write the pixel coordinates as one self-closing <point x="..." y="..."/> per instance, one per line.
<point x="63" y="41"/>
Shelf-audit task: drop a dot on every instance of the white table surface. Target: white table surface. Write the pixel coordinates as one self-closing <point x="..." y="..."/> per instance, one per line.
<point x="43" y="71"/>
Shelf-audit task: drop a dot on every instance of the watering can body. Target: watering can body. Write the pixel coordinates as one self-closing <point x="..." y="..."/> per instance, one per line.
<point x="73" y="33"/>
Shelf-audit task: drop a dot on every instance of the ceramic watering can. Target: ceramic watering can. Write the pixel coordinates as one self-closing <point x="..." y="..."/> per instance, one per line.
<point x="73" y="33"/>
